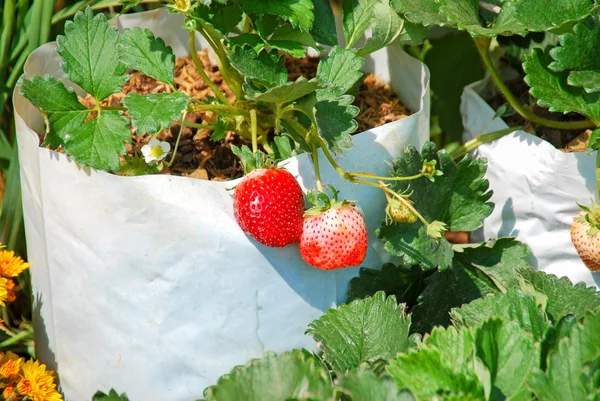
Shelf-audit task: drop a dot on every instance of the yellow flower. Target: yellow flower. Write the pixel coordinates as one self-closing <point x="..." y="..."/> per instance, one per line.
<point x="8" y="391"/>
<point x="3" y="290"/>
<point x="10" y="369"/>
<point x="11" y="265"/>
<point x="37" y="383"/>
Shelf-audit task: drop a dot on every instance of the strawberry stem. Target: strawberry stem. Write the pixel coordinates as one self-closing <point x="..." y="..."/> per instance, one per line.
<point x="315" y="157"/>
<point x="483" y="45"/>
<point x="201" y="71"/>
<point x="376" y="177"/>
<point x="253" y="130"/>
<point x="181" y="125"/>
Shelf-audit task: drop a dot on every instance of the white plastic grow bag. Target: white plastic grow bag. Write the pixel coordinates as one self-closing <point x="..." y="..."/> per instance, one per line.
<point x="536" y="190"/>
<point x="147" y="284"/>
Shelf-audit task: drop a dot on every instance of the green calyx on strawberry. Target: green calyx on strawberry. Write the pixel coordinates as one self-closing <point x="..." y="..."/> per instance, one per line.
<point x="268" y="204"/>
<point x="334" y="233"/>
<point x="585" y="234"/>
<point x="430" y="170"/>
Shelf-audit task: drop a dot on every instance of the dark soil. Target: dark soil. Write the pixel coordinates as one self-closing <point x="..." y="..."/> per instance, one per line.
<point x="200" y="157"/>
<point x="568" y="141"/>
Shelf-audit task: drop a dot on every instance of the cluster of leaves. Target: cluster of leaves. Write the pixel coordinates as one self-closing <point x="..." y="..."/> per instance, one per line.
<point x="522" y="343"/>
<point x="249" y="39"/>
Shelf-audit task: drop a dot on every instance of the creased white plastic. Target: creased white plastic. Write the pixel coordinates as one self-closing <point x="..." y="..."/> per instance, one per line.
<point x="147" y="284"/>
<point x="536" y="190"/>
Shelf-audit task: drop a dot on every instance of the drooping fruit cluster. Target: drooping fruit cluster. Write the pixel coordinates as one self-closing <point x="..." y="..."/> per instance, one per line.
<point x="399" y="212"/>
<point x="268" y="205"/>
<point x="585" y="234"/>
<point x="334" y="238"/>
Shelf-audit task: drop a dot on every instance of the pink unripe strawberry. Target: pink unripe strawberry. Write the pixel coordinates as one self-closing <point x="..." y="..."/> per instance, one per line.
<point x="268" y="204"/>
<point x="586" y="238"/>
<point x="334" y="238"/>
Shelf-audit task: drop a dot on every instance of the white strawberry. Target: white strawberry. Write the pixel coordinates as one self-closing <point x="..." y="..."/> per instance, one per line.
<point x="585" y="234"/>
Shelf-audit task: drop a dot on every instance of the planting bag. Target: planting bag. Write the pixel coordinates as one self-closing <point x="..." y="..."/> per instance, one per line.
<point x="147" y="284"/>
<point x="536" y="190"/>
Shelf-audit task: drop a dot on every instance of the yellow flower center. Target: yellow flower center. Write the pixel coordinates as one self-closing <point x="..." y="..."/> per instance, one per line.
<point x="156" y="151"/>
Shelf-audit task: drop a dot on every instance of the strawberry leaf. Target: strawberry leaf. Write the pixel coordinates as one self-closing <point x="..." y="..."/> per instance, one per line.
<point x="543" y="15"/>
<point x="323" y="29"/>
<point x="580" y="55"/>
<point x="357" y="17"/>
<point x="365" y="330"/>
<point x="154" y="112"/>
<point x="289" y="91"/>
<point x="367" y="386"/>
<point x="111" y="396"/>
<point x="264" y="68"/>
<point x="468" y="15"/>
<point x="60" y="105"/>
<point x="437" y="200"/>
<point x="426" y="12"/>
<point x="594" y="143"/>
<point x="298" y="12"/>
<point x="455" y="346"/>
<point x="341" y="68"/>
<point x="552" y="90"/>
<point x="223" y="17"/>
<point x="296" y="375"/>
<point x="89" y="57"/>
<point x="335" y="122"/>
<point x="98" y="142"/>
<point x="140" y="50"/>
<point x="411" y="34"/>
<point x="386" y="27"/>
<point x="564" y="379"/>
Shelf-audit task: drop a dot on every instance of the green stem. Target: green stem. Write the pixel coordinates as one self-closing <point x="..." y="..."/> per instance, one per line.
<point x="265" y="144"/>
<point x="181" y="125"/>
<point x="201" y="71"/>
<point x="8" y="25"/>
<point x="315" y="157"/>
<point x="376" y="177"/>
<point x="46" y="22"/>
<point x="483" y="48"/>
<point x="70" y="11"/>
<point x="216" y="108"/>
<point x="277" y="118"/>
<point x="16" y="338"/>
<point x="121" y="108"/>
<point x="196" y="125"/>
<point x="254" y="130"/>
<point x="480" y="140"/>
<point x="332" y="160"/>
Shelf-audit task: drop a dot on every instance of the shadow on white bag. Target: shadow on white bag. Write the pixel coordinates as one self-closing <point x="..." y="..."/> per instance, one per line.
<point x="147" y="284"/>
<point x="536" y="190"/>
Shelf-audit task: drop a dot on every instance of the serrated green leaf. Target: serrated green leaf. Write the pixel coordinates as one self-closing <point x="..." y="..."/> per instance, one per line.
<point x="476" y="272"/>
<point x="367" y="386"/>
<point x="289" y="91"/>
<point x="141" y="51"/>
<point x="405" y="283"/>
<point x="591" y="377"/>
<point x="264" y="68"/>
<point x="58" y="103"/>
<point x="298" y="12"/>
<point x="467" y="14"/>
<point x="561" y="330"/>
<point x="283" y="147"/>
<point x="218" y="130"/>
<point x="293" y="48"/>
<point x="456" y="347"/>
<point x="563" y="380"/>
<point x="510" y="354"/>
<point x="386" y="27"/>
<point x="426" y="374"/>
<point x="111" y="396"/>
<point x="154" y="112"/>
<point x="426" y="12"/>
<point x="98" y="142"/>
<point x="248" y="39"/>
<point x="512" y="306"/>
<point x="341" y="68"/>
<point x="552" y="90"/>
<point x="335" y="122"/>
<point x="357" y="16"/>
<point x="579" y="54"/>
<point x="412" y="34"/>
<point x="89" y="57"/>
<point x="563" y="297"/>
<point x="362" y="331"/>
<point x="286" y="33"/>
<point x="295" y="375"/>
<point x="223" y="17"/>
<point x="462" y="210"/>
<point x="543" y="15"/>
<point x="323" y="29"/>
<point x="454" y="63"/>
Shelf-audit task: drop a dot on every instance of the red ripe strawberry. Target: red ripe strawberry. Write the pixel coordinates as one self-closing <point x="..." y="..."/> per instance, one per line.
<point x="268" y="205"/>
<point x="334" y="238"/>
<point x="585" y="235"/>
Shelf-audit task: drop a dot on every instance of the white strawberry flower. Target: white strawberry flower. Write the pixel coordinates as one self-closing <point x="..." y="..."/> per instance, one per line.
<point x="155" y="150"/>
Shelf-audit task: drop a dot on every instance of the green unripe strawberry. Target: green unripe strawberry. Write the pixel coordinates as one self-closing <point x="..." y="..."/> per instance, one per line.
<point x="399" y="212"/>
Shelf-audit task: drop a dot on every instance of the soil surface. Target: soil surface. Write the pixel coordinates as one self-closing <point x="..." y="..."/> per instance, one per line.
<point x="567" y="141"/>
<point x="200" y="157"/>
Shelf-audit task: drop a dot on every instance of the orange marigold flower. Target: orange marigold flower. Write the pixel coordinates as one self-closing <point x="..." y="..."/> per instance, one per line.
<point x="11" y="265"/>
<point x="3" y="291"/>
<point x="8" y="391"/>
<point x="10" y="369"/>
<point x="37" y="383"/>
